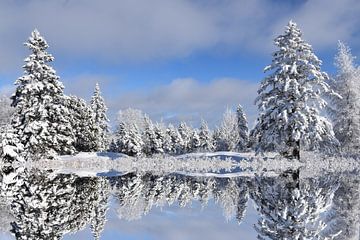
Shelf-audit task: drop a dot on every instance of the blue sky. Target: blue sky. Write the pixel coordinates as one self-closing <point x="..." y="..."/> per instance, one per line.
<point x="176" y="60"/>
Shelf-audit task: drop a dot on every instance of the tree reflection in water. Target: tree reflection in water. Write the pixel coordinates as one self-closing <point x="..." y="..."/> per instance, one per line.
<point x="44" y="205"/>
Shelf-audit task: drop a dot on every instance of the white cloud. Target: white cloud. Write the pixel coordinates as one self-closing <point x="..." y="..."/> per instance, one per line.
<point x="128" y="30"/>
<point x="188" y="99"/>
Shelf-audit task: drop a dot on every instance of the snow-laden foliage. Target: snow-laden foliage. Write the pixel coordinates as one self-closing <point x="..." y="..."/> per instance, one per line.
<point x="291" y="208"/>
<point x="40" y="120"/>
<point x="130" y="116"/>
<point x="99" y="108"/>
<point x="343" y="219"/>
<point x="290" y="99"/>
<point x="100" y="208"/>
<point x="127" y="140"/>
<point x="243" y="129"/>
<point x="186" y="135"/>
<point x="47" y="206"/>
<point x="205" y="138"/>
<point x="176" y="140"/>
<point x="152" y="137"/>
<point x="345" y="110"/>
<point x="83" y="124"/>
<point x="5" y="112"/>
<point x="138" y="193"/>
<point x="11" y="149"/>
<point x="227" y="135"/>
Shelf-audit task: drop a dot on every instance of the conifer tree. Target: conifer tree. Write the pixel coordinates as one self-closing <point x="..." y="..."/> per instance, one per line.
<point x="185" y="133"/>
<point x="243" y="129"/>
<point x="41" y="120"/>
<point x="101" y="120"/>
<point x="206" y="140"/>
<point x="149" y="137"/>
<point x="290" y="99"/>
<point x="128" y="140"/>
<point x="195" y="141"/>
<point x="176" y="140"/>
<point x="345" y="111"/>
<point x="82" y="119"/>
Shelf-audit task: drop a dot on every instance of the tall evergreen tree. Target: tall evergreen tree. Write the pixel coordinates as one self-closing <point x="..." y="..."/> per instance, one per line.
<point x="82" y="119"/>
<point x="128" y="140"/>
<point x="41" y="120"/>
<point x="290" y="99"/>
<point x="185" y="133"/>
<point x="99" y="215"/>
<point x="345" y="111"/>
<point x="206" y="140"/>
<point x="243" y="129"/>
<point x="101" y="120"/>
<point x="149" y="137"/>
<point x="176" y="140"/>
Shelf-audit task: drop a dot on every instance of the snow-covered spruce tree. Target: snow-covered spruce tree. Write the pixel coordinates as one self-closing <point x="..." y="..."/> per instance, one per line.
<point x="99" y="215"/>
<point x="290" y="98"/>
<point x="85" y="129"/>
<point x="176" y="140"/>
<point x="206" y="140"/>
<point x="149" y="137"/>
<point x="128" y="140"/>
<point x="40" y="119"/>
<point x="185" y="133"/>
<point x="6" y="112"/>
<point x="160" y="133"/>
<point x="243" y="129"/>
<point x="101" y="120"/>
<point x="11" y="149"/>
<point x="195" y="141"/>
<point x="291" y="208"/>
<point x="345" y="111"/>
<point x="343" y="219"/>
<point x="228" y="133"/>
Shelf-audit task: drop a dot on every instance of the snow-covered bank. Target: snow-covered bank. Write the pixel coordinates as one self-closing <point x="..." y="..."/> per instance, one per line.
<point x="225" y="164"/>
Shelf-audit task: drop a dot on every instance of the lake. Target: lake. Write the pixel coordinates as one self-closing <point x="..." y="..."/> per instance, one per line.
<point x="286" y="204"/>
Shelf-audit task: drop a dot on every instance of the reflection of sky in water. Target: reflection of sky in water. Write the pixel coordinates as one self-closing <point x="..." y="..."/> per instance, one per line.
<point x="173" y="223"/>
<point x="288" y="205"/>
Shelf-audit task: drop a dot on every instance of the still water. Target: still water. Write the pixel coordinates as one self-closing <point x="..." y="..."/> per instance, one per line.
<point x="43" y="205"/>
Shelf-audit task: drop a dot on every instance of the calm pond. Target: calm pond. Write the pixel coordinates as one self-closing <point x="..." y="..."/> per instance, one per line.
<point x="43" y="205"/>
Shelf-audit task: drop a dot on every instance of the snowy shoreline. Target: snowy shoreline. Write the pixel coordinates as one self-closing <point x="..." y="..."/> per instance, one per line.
<point x="220" y="164"/>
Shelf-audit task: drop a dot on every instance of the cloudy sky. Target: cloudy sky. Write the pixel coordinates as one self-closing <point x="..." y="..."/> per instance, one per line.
<point x="176" y="60"/>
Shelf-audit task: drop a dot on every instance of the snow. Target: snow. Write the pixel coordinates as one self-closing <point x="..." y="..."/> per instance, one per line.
<point x="220" y="164"/>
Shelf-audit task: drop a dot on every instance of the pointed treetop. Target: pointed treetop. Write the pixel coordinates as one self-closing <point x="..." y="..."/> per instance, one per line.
<point x="38" y="45"/>
<point x="97" y="87"/>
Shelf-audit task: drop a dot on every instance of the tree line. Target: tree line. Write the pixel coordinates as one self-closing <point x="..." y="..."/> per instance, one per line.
<point x="291" y="100"/>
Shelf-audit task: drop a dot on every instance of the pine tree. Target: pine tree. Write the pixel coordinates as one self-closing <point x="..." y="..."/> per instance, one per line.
<point x="149" y="137"/>
<point x="206" y="140"/>
<point x="11" y="149"/>
<point x="185" y="133"/>
<point x="101" y="120"/>
<point x="176" y="140"/>
<point x="41" y="119"/>
<point x="345" y="111"/>
<point x="195" y="141"/>
<point x="99" y="216"/>
<point x="128" y="140"/>
<point x="82" y="119"/>
<point x="243" y="129"/>
<point x="6" y="112"/>
<point x="159" y="139"/>
<point x="290" y="98"/>
<point x="290" y="208"/>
